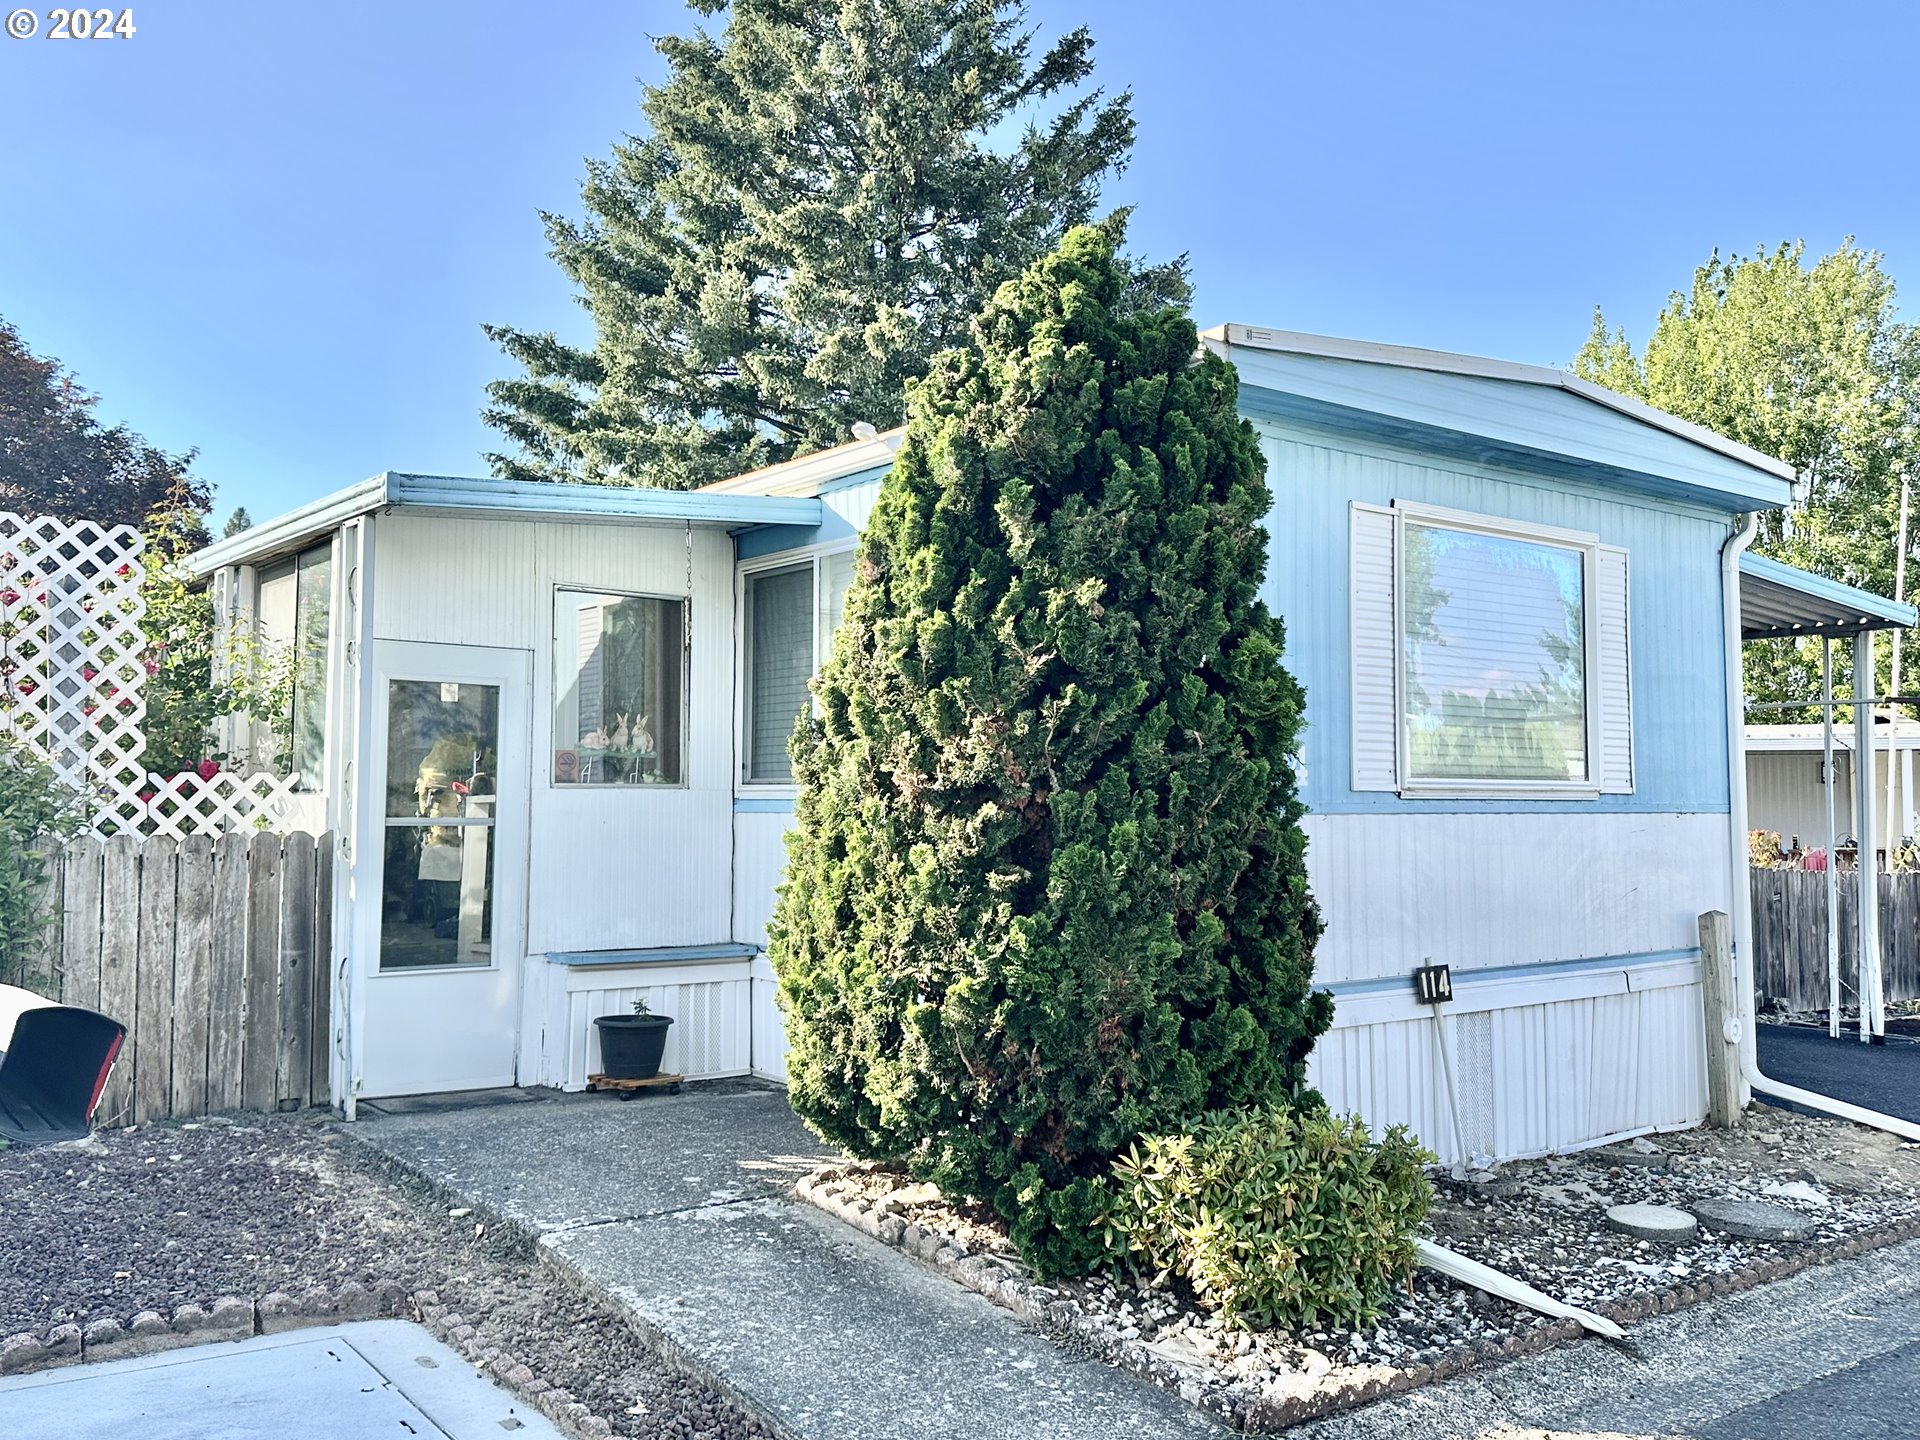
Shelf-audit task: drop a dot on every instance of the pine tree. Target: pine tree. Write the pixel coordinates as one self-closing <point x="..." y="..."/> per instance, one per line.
<point x="1047" y="890"/>
<point x="817" y="207"/>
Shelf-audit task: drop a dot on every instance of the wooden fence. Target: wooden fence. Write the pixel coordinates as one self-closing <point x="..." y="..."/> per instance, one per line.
<point x="214" y="952"/>
<point x="1790" y="936"/>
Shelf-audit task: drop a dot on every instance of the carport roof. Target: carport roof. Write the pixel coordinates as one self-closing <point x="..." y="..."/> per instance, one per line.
<point x="1778" y="600"/>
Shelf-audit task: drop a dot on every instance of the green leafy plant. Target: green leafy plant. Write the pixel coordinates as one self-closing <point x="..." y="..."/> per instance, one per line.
<point x="1047" y="891"/>
<point x="38" y="810"/>
<point x="1275" y="1216"/>
<point x="640" y="1006"/>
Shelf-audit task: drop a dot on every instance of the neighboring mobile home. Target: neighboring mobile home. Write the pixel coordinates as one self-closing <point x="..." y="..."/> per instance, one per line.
<point x="549" y="733"/>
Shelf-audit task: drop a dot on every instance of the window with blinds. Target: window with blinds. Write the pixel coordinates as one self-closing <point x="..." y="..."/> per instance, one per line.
<point x="1488" y="656"/>
<point x="780" y="638"/>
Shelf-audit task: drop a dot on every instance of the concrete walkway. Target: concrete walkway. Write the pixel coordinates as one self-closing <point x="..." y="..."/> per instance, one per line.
<point x="675" y="1208"/>
<point x="344" y="1382"/>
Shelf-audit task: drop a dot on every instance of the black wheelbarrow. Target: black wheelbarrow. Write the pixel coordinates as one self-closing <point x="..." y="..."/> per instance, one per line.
<point x="55" y="1065"/>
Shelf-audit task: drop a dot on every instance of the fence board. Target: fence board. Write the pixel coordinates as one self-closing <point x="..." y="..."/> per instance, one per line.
<point x="119" y="968"/>
<point x="296" y="972"/>
<point x="78" y="924"/>
<point x="216" y="954"/>
<point x="227" y="973"/>
<point x="1790" y="936"/>
<point x="320" y="1057"/>
<point x="153" y="1077"/>
<point x="192" y="959"/>
<point x="260" y="1048"/>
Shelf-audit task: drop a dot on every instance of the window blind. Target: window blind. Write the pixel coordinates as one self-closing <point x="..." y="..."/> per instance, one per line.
<point x="780" y="661"/>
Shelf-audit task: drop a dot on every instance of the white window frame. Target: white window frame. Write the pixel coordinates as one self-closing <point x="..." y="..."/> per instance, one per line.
<point x="1588" y="546"/>
<point x="813" y="557"/>
<point x="685" y="602"/>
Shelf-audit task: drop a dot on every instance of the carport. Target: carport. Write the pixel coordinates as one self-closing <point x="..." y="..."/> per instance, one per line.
<point x="1778" y="601"/>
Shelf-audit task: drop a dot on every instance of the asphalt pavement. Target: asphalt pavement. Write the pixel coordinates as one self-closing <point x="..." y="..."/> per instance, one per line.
<point x="1881" y="1077"/>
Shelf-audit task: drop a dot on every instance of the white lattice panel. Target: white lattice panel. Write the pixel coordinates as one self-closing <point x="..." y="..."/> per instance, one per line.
<point x="72" y="655"/>
<point x="189" y="804"/>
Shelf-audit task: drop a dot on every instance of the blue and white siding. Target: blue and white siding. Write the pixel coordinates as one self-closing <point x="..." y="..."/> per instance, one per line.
<point x="1570" y="924"/>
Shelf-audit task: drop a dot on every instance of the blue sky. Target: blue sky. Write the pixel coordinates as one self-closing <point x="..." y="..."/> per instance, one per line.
<point x="272" y="231"/>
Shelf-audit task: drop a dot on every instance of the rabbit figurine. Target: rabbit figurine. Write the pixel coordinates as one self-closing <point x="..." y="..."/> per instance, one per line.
<point x="594" y="740"/>
<point x="619" y="737"/>
<point x="643" y="735"/>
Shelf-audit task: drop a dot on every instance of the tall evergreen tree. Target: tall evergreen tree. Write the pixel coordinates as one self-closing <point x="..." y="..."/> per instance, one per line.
<point x="1047" y="889"/>
<point x="1807" y="363"/>
<point x="824" y="194"/>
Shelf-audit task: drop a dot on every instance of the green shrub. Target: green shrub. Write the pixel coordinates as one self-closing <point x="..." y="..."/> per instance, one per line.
<point x="1047" y="888"/>
<point x="37" y="810"/>
<point x="1274" y="1216"/>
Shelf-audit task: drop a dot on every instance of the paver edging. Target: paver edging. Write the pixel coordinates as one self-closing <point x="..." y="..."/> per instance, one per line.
<point x="1016" y="1292"/>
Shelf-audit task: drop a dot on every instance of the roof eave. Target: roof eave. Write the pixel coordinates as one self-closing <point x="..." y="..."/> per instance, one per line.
<point x="1408" y="357"/>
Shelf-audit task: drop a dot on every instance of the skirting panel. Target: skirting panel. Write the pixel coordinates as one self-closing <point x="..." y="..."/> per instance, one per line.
<point x="1531" y="1079"/>
<point x="710" y="1005"/>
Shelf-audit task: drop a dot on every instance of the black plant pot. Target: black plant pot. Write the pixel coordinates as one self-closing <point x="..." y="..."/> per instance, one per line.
<point x="631" y="1045"/>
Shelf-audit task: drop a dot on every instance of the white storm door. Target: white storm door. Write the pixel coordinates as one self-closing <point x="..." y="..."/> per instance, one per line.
<point x="441" y="923"/>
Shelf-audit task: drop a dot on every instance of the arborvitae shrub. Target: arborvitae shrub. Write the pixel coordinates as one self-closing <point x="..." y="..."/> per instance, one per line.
<point x="1275" y="1217"/>
<point x="1046" y="892"/>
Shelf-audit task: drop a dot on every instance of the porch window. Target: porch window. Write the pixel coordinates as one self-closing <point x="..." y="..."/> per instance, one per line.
<point x="619" y="686"/>
<point x="294" y="601"/>
<point x="1494" y="656"/>
<point x="780" y="643"/>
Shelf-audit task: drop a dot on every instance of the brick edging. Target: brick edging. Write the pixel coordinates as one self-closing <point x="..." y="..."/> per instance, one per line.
<point x="1016" y="1292"/>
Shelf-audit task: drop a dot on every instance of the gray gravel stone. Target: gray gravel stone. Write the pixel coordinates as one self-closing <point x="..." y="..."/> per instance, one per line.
<point x="1755" y="1219"/>
<point x="1628" y="1155"/>
<point x="1660" y="1223"/>
<point x="20" y="1353"/>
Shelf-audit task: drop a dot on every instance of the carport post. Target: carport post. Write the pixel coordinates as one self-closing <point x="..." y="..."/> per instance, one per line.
<point x="1832" y="874"/>
<point x="1868" y="873"/>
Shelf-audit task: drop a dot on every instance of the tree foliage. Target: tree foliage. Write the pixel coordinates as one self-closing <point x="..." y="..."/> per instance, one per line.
<point x="182" y="699"/>
<point x="824" y="194"/>
<point x="37" y="811"/>
<point x="1807" y="363"/>
<point x="57" y="459"/>
<point x="1046" y="892"/>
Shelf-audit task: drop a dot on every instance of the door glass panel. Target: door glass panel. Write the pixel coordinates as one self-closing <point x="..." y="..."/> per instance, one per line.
<point x="442" y="740"/>
<point x="437" y="887"/>
<point x="437" y="900"/>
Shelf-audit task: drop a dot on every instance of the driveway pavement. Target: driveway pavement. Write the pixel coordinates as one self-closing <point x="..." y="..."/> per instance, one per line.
<point x="1832" y="1352"/>
<point x="1881" y="1077"/>
<point x="345" y="1382"/>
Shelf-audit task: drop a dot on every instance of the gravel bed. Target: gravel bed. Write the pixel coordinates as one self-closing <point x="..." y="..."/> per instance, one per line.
<point x="1542" y="1221"/>
<point x="164" y="1215"/>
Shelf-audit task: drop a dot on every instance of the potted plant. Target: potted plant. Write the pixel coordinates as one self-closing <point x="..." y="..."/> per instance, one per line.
<point x="631" y="1045"/>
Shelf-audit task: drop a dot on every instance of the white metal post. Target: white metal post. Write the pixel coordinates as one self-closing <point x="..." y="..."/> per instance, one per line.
<point x="1871" y="1022"/>
<point x="1833" y="878"/>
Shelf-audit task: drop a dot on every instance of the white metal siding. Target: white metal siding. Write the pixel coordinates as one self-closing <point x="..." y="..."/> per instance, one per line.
<point x="759" y="860"/>
<point x="1374" y="650"/>
<point x="1483" y="888"/>
<point x="614" y="868"/>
